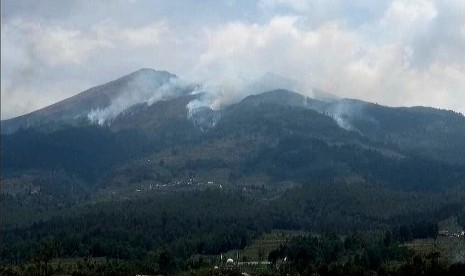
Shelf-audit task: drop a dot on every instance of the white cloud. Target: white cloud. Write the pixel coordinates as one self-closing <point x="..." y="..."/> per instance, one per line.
<point x="55" y="45"/>
<point x="298" y="5"/>
<point x="237" y="53"/>
<point x="52" y="45"/>
<point x="347" y="62"/>
<point x="35" y="54"/>
<point x="385" y="75"/>
<point x="403" y="12"/>
<point x="109" y="33"/>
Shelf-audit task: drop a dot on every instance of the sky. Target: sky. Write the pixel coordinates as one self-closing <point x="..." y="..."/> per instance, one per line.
<point x="391" y="52"/>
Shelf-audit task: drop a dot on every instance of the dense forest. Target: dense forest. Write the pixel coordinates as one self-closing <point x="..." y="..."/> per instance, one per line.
<point x="178" y="226"/>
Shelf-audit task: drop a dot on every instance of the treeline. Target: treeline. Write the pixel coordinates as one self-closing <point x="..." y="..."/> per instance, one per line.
<point x="311" y="254"/>
<point x="201" y="222"/>
<point x="330" y="254"/>
<point x="208" y="222"/>
<point x="355" y="255"/>
<point x="160" y="262"/>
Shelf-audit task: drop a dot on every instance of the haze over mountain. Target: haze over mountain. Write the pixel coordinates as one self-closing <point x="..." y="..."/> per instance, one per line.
<point x="147" y="157"/>
<point x="163" y="111"/>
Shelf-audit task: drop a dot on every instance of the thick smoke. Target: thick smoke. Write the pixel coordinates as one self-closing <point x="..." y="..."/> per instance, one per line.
<point x="224" y="91"/>
<point x="202" y="100"/>
<point x="210" y="97"/>
<point x="143" y="89"/>
<point x="214" y="97"/>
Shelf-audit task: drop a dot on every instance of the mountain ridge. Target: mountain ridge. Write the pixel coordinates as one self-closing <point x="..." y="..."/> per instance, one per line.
<point x="402" y="131"/>
<point x="100" y="97"/>
<point x="79" y="105"/>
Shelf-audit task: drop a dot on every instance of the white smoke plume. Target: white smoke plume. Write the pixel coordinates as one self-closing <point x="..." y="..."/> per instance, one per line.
<point x="224" y="90"/>
<point x="340" y="112"/>
<point x="143" y="89"/>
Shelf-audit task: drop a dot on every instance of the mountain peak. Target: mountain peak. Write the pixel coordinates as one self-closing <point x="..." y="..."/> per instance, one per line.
<point x="153" y="72"/>
<point x="77" y="107"/>
<point x="277" y="96"/>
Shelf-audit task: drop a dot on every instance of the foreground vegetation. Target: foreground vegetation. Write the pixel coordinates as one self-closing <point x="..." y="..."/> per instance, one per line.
<point x="355" y="254"/>
<point x="188" y="230"/>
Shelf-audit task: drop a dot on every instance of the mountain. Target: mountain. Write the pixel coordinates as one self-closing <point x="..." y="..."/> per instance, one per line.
<point x="138" y="164"/>
<point x="145" y="114"/>
<point x="75" y="110"/>
<point x="277" y="135"/>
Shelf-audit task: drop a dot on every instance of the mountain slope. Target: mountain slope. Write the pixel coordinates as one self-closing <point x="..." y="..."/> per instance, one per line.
<point x="278" y="135"/>
<point x="75" y="110"/>
<point x="428" y="132"/>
